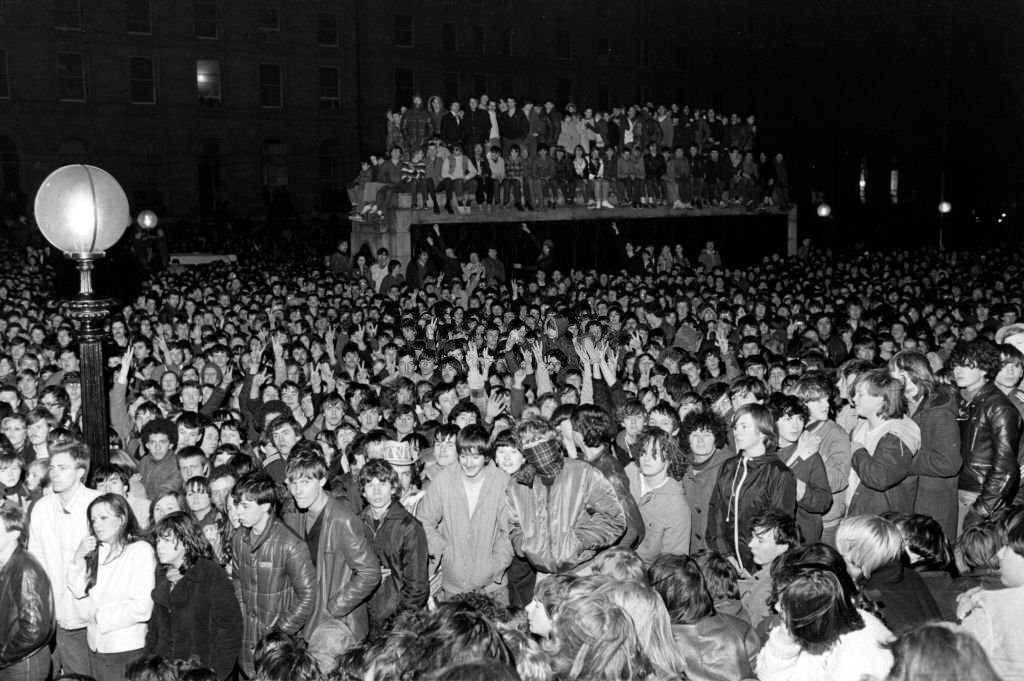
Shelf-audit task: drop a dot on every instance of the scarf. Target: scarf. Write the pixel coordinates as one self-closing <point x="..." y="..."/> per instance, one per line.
<point x="543" y="458"/>
<point x="904" y="428"/>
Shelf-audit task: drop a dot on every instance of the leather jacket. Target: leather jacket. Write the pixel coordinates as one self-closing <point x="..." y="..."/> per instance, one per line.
<point x="27" y="617"/>
<point x="990" y="429"/>
<point x="717" y="647"/>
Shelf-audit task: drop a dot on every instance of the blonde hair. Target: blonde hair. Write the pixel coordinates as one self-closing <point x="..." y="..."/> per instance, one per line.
<point x="868" y="542"/>
<point x="651" y="621"/>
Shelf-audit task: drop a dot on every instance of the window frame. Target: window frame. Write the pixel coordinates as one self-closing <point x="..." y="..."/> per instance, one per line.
<point x="82" y="78"/>
<point x="132" y="80"/>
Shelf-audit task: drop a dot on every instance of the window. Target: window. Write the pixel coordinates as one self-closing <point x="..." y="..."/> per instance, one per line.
<point x="275" y="164"/>
<point x="141" y="81"/>
<point x="448" y="37"/>
<point x="208" y="80"/>
<point x="206" y="20"/>
<point x="327" y="30"/>
<point x="5" y="88"/>
<point x="67" y="14"/>
<point x="140" y="20"/>
<point x="330" y="87"/>
<point x="476" y="39"/>
<point x="563" y="90"/>
<point x="404" y="86"/>
<point x="451" y="87"/>
<point x="270" y="85"/>
<point x="70" y="78"/>
<point x="268" y="19"/>
<point x="563" y="44"/>
<point x="403" y="30"/>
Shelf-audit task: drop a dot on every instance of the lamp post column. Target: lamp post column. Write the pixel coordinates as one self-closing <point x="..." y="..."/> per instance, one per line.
<point x="91" y="313"/>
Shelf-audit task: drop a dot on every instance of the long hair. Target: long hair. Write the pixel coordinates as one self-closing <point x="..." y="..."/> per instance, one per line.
<point x="182" y="528"/>
<point x="938" y="652"/>
<point x="595" y="640"/>
<point x="816" y="602"/>
<point x="129" y="532"/>
<point x="918" y="370"/>
<point x="681" y="584"/>
<point x="651" y="621"/>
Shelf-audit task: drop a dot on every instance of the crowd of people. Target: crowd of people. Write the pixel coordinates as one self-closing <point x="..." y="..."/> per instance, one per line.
<point x="496" y="154"/>
<point x="803" y="470"/>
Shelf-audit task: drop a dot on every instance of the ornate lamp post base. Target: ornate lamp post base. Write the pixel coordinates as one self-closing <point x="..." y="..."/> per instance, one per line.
<point x="91" y="312"/>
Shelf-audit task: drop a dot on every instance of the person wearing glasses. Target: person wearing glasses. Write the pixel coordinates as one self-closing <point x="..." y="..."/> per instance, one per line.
<point x="460" y="514"/>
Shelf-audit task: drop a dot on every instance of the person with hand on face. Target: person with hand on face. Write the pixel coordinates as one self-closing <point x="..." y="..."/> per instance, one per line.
<point x="111" y="578"/>
<point x="59" y="523"/>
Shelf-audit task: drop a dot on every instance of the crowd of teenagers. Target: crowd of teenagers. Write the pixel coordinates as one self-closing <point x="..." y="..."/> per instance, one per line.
<point x="495" y="154"/>
<point x="802" y="470"/>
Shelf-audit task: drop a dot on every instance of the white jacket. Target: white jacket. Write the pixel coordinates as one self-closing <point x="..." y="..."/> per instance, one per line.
<point x="856" y="656"/>
<point x="995" y="622"/>
<point x="121" y="602"/>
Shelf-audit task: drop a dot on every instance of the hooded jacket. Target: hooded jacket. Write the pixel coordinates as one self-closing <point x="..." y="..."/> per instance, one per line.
<point x="747" y="487"/>
<point x="880" y="478"/>
<point x="561" y="526"/>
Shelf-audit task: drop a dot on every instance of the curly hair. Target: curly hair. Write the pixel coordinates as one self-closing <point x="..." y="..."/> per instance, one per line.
<point x="708" y="421"/>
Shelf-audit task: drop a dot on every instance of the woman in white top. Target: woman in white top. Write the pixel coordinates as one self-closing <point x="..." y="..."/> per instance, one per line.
<point x="112" y="577"/>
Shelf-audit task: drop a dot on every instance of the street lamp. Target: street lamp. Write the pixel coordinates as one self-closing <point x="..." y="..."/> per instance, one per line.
<point x="147" y="219"/>
<point x="83" y="211"/>
<point x="824" y="210"/>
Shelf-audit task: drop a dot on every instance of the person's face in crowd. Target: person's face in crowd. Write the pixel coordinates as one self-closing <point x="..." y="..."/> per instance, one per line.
<point x="230" y="436"/>
<point x="37" y="432"/>
<point x="661" y="422"/>
<point x="113" y="485"/>
<point x="198" y="500"/>
<point x="1011" y="567"/>
<point x="968" y="377"/>
<point x="285" y="438"/>
<point x="117" y="330"/>
<point x="251" y="513"/>
<point x="290" y="396"/>
<point x="466" y="418"/>
<point x="763" y="546"/>
<point x="446" y="401"/>
<point x="1009" y="374"/>
<point x="702" y="445"/>
<point x="188" y="437"/>
<point x="220" y="490"/>
<point x="15" y="431"/>
<point x="537" y="617"/>
<point x="405" y="423"/>
<point x="305" y="489"/>
<point x="369" y="419"/>
<point x="64" y="474"/>
<point x="746" y="433"/>
<point x="790" y="428"/>
<point x="867" y="405"/>
<point x="740" y="399"/>
<point x="68" y="361"/>
<point x="445" y="452"/>
<point x="158" y="445"/>
<point x="190" y="398"/>
<point x="10" y="474"/>
<point x="652" y="463"/>
<point x="107" y="527"/>
<point x="472" y="463"/>
<point x="28" y="385"/>
<point x="509" y="459"/>
<point x="334" y="413"/>
<point x="191" y="467"/>
<point x="379" y="494"/>
<point x="170" y="551"/>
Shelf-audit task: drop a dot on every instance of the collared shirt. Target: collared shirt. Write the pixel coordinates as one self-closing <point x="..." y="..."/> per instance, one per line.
<point x="55" y="531"/>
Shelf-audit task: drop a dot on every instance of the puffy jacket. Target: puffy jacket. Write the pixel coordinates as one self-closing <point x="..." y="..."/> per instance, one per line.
<point x="559" y="527"/>
<point x="200" y="617"/>
<point x="747" y="487"/>
<point x="616" y="475"/>
<point x="717" y="648"/>
<point x="347" y="569"/>
<point x="27" y="616"/>
<point x="275" y="583"/>
<point x="885" y="480"/>
<point x="401" y="547"/>
<point x="989" y="435"/>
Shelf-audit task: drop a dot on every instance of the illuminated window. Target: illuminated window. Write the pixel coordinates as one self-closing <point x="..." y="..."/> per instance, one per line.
<point x="208" y="80"/>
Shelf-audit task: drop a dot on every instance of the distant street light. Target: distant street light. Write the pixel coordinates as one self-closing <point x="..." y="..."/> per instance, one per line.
<point x="824" y="210"/>
<point x="945" y="207"/>
<point x="83" y="211"/>
<point x="147" y="219"/>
